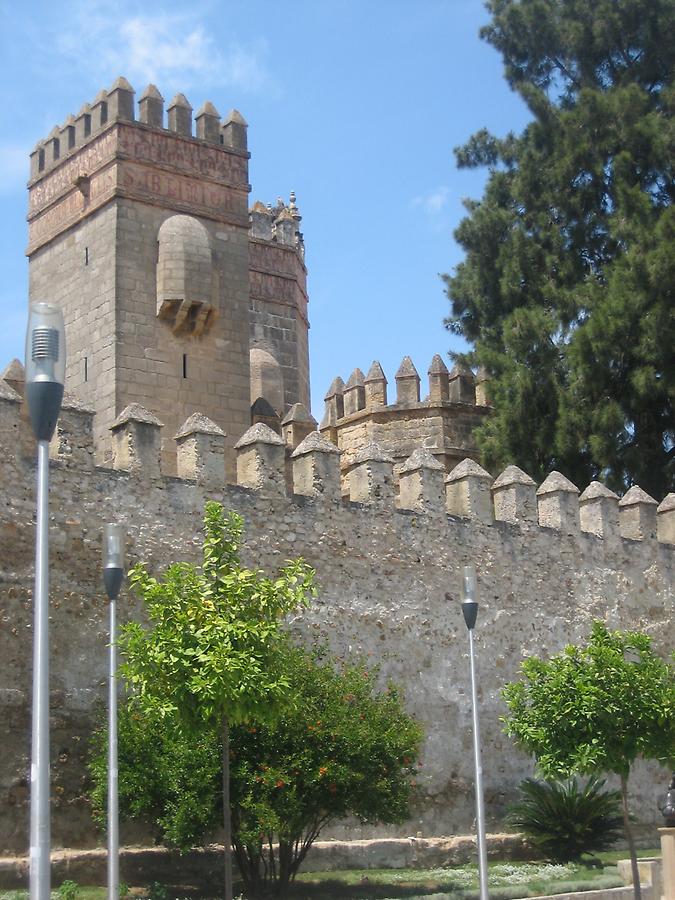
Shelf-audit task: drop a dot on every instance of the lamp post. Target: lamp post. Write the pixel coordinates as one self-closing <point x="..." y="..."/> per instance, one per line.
<point x="45" y="372"/>
<point x="113" y="572"/>
<point x="470" y="612"/>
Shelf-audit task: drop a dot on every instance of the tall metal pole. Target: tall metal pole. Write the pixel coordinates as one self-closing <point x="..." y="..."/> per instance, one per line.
<point x="113" y="572"/>
<point x="45" y="374"/>
<point x="113" y="812"/>
<point x="39" y="770"/>
<point x="480" y="809"/>
<point x="469" y="593"/>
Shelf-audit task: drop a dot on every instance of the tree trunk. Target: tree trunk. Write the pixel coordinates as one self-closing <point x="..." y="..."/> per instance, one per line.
<point x="227" y="816"/>
<point x="629" y="837"/>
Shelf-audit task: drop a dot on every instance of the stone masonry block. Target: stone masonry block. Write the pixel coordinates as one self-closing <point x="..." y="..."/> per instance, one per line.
<point x="665" y="517"/>
<point x="599" y="511"/>
<point x="375" y="384"/>
<point x="371" y="478"/>
<point x="136" y="441"/>
<point x="420" y="480"/>
<point x="637" y="515"/>
<point x="354" y="393"/>
<point x="462" y="384"/>
<point x="467" y="492"/>
<point x="10" y="418"/>
<point x="261" y="460"/>
<point x="200" y="451"/>
<point x="334" y="403"/>
<point x="316" y="468"/>
<point x="407" y="383"/>
<point x="558" y="501"/>
<point x="73" y="440"/>
<point x="514" y="496"/>
<point x="439" y="387"/>
<point x="297" y="424"/>
<point x="207" y="123"/>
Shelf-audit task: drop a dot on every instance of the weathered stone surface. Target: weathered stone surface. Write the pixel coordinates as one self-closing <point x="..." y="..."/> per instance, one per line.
<point x="316" y="468"/>
<point x="637" y="515"/>
<point x="258" y="434"/>
<point x="558" y="501"/>
<point x="383" y="575"/>
<point x="315" y="443"/>
<point x="420" y="481"/>
<point x="420" y="459"/>
<point x="467" y="492"/>
<point x="198" y="424"/>
<point x="665" y="517"/>
<point x="514" y="496"/>
<point x="599" y="511"/>
<point x="8" y="393"/>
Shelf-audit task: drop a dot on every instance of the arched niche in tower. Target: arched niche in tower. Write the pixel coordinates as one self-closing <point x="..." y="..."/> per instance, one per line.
<point x="185" y="275"/>
<point x="267" y="379"/>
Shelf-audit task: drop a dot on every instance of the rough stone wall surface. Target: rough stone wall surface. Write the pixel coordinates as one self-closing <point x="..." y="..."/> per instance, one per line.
<point x="446" y="431"/>
<point x="383" y="575"/>
<point x="278" y="314"/>
<point x="176" y="375"/>
<point x="76" y="271"/>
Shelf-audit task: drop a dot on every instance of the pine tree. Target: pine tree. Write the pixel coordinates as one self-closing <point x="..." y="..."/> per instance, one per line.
<point x="568" y="282"/>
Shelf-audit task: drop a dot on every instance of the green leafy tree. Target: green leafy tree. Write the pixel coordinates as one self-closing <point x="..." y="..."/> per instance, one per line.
<point x="345" y="751"/>
<point x="568" y="281"/>
<point x="341" y="748"/>
<point x="566" y="819"/>
<point x="596" y="709"/>
<point x="213" y="653"/>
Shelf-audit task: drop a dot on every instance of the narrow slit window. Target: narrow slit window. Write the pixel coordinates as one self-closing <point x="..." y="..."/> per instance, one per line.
<point x="86" y="256"/>
<point x="185" y="365"/>
<point x="86" y="369"/>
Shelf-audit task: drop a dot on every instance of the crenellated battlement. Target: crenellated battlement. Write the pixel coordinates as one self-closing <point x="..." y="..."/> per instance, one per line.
<point x="360" y="411"/>
<point x="117" y="104"/>
<point x="278" y="224"/>
<point x="114" y="147"/>
<point x="388" y="542"/>
<point x="187" y="332"/>
<point x="305" y="463"/>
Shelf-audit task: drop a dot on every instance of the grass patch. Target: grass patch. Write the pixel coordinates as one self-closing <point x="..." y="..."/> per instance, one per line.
<point x="507" y="881"/>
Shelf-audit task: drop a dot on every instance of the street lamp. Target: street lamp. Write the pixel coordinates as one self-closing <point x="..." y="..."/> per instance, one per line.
<point x="45" y="373"/>
<point x="113" y="572"/>
<point x="470" y="611"/>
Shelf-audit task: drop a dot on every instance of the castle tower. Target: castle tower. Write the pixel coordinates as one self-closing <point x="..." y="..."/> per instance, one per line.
<point x="278" y="307"/>
<point x="139" y="230"/>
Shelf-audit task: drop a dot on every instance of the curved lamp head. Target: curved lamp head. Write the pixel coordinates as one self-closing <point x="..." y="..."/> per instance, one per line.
<point x="45" y="367"/>
<point x="113" y="558"/>
<point x="469" y="596"/>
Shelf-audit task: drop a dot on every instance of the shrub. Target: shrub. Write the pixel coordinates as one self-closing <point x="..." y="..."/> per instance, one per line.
<point x="68" y="890"/>
<point x="340" y="748"/>
<point x="565" y="819"/>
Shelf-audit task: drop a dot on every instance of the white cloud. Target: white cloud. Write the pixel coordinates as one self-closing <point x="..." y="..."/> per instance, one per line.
<point x="13" y="167"/>
<point x="174" y="50"/>
<point x="432" y="203"/>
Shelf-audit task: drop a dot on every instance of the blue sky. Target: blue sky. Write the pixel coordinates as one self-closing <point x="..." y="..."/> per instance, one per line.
<point x="356" y="106"/>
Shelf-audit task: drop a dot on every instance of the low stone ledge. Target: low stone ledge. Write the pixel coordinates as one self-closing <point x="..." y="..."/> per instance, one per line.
<point x="203" y="867"/>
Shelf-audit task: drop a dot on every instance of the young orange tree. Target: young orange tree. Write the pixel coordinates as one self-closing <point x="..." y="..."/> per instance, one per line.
<point x="596" y="709"/>
<point x="340" y="748"/>
<point x="213" y="654"/>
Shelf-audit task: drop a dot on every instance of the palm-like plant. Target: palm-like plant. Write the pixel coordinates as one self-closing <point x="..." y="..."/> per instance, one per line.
<point x="565" y="819"/>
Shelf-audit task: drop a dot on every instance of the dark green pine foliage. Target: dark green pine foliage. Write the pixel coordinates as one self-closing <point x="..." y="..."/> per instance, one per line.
<point x="567" y="286"/>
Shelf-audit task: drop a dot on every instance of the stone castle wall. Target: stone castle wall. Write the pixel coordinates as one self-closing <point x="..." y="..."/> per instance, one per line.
<point x="548" y="563"/>
<point x="360" y="412"/>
